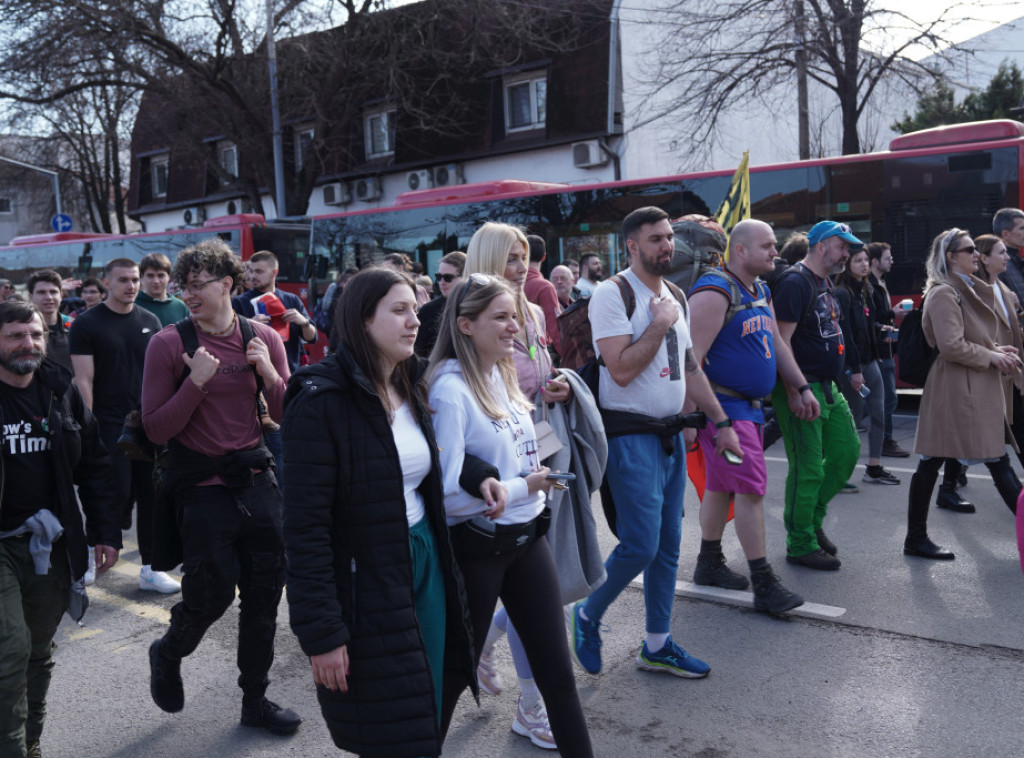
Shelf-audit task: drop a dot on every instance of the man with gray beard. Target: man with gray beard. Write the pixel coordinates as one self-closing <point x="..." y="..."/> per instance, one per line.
<point x="50" y="444"/>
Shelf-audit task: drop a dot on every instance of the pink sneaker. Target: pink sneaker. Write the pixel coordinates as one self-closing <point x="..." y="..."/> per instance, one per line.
<point x="487" y="675"/>
<point x="533" y="723"/>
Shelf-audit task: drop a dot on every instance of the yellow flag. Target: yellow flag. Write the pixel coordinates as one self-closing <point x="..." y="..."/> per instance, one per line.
<point x="736" y="205"/>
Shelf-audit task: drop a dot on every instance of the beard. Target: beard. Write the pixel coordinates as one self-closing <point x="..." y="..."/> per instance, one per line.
<point x="655" y="266"/>
<point x="22" y="362"/>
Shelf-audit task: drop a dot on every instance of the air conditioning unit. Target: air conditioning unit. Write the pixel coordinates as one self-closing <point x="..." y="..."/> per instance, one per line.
<point x="418" y="180"/>
<point x="588" y="154"/>
<point x="337" y="193"/>
<point x="448" y="174"/>
<point x="194" y="216"/>
<point x="232" y="207"/>
<point x="368" y="189"/>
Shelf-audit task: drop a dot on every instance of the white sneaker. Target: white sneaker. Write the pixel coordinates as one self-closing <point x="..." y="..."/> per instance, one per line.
<point x="533" y="723"/>
<point x="157" y="581"/>
<point x="90" y="573"/>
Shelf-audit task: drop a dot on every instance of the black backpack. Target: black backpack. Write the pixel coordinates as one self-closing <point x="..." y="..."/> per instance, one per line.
<point x="914" y="356"/>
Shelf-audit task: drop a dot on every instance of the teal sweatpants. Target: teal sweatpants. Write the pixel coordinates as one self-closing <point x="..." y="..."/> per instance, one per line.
<point x="822" y="454"/>
<point x="428" y="590"/>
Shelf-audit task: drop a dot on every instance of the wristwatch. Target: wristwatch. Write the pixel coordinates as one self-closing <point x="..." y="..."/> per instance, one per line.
<point x="723" y="424"/>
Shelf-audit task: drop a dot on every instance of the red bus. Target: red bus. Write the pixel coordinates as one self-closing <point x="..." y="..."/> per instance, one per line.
<point x="926" y="182"/>
<point x="78" y="254"/>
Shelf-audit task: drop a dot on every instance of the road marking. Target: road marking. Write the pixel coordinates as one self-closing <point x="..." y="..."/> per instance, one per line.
<point x="745" y="599"/>
<point x="901" y="470"/>
<point x="83" y="634"/>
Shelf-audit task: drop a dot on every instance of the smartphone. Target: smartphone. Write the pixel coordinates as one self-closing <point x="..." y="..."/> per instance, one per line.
<point x="560" y="477"/>
<point x="559" y="378"/>
<point x="731" y="457"/>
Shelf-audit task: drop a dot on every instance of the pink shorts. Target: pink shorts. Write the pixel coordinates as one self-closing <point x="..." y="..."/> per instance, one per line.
<point x="750" y="477"/>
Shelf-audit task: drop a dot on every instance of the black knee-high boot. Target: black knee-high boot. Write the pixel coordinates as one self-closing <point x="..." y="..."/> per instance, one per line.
<point x="1006" y="481"/>
<point x="917" y="543"/>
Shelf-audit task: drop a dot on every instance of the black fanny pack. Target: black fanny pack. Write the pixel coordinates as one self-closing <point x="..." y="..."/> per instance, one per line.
<point x="480" y="537"/>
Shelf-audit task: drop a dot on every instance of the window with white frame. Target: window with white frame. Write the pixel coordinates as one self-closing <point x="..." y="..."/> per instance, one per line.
<point x="303" y="147"/>
<point x="158" y="173"/>
<point x="227" y="159"/>
<point x="380" y="133"/>
<point x="525" y="102"/>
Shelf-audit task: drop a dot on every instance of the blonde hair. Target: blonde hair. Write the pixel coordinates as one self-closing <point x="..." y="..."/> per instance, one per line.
<point x="469" y="300"/>
<point x="488" y="253"/>
<point x="937" y="265"/>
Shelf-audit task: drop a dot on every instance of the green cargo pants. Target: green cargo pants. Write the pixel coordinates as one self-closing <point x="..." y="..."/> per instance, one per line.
<point x="30" y="609"/>
<point x="822" y="454"/>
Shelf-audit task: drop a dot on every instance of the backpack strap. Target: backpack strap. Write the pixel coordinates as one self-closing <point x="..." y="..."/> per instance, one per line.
<point x="190" y="341"/>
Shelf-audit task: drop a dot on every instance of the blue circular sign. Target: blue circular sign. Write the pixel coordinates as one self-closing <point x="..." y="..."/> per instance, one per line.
<point x="61" y="223"/>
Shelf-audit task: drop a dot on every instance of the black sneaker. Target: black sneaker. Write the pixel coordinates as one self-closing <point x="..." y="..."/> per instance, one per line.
<point x="825" y="543"/>
<point x="711" y="571"/>
<point x="769" y="594"/>
<point x="816" y="559"/>
<point x="878" y="475"/>
<point x="270" y="716"/>
<point x="165" y="680"/>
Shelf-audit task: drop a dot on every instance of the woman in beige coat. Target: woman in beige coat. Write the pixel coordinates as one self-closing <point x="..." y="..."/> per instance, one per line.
<point x="993" y="257"/>
<point x="963" y="409"/>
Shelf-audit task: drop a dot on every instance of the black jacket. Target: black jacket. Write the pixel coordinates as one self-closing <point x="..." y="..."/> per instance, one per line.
<point x="858" y="324"/>
<point x="883" y="315"/>
<point x="349" y="563"/>
<point x="79" y="458"/>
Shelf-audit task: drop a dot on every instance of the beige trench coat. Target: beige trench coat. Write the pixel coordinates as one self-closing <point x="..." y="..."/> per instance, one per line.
<point x="964" y="409"/>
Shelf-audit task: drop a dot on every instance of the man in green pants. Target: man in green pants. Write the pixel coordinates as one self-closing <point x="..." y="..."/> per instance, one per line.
<point x="822" y="453"/>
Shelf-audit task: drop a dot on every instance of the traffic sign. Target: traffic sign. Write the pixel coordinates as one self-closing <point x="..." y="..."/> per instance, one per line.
<point x="61" y="222"/>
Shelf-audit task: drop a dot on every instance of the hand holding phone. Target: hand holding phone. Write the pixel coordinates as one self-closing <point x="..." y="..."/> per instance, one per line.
<point x="732" y="458"/>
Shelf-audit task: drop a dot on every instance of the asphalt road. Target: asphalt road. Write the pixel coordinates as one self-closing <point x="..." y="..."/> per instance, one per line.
<point x="892" y="656"/>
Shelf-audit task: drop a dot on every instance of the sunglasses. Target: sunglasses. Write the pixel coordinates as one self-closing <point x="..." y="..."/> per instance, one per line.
<point x="481" y="279"/>
<point x="972" y="250"/>
<point x="446" y="278"/>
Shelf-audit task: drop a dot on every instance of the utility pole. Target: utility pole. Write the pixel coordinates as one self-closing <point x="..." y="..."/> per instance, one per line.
<point x="52" y="174"/>
<point x="275" y="115"/>
<point x="800" y="48"/>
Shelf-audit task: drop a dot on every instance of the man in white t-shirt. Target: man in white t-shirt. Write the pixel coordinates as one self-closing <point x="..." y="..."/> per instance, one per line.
<point x="590" y="274"/>
<point x="648" y="370"/>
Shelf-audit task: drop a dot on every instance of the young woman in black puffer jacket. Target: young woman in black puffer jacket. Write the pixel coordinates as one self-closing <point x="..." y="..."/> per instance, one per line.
<point x="374" y="592"/>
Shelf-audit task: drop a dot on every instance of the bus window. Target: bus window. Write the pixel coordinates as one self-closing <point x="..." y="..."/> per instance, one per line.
<point x="290" y="245"/>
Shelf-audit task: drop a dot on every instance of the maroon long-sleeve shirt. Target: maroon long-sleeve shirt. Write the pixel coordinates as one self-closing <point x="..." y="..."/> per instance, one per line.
<point x="221" y="417"/>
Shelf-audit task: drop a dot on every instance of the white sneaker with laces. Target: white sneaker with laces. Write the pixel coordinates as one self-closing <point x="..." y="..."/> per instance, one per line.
<point x="533" y="723"/>
<point x="90" y="572"/>
<point x="157" y="581"/>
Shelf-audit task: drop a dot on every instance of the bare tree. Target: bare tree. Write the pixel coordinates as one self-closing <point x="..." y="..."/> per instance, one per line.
<point x="203" y="63"/>
<point x="726" y="54"/>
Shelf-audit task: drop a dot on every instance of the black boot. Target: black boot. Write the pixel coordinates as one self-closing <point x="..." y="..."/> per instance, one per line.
<point x="1006" y="481"/>
<point x="952" y="500"/>
<point x="268" y="715"/>
<point x="917" y="542"/>
<point x="769" y="594"/>
<point x="165" y="679"/>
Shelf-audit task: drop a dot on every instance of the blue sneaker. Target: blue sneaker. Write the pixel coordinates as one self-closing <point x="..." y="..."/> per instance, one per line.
<point x="586" y="640"/>
<point x="672" y="659"/>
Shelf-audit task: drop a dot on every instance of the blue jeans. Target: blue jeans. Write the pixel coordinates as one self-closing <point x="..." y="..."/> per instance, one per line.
<point x="888" y="369"/>
<point x="647" y="486"/>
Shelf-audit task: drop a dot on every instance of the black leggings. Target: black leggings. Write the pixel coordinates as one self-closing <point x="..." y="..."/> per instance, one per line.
<point x="527" y="583"/>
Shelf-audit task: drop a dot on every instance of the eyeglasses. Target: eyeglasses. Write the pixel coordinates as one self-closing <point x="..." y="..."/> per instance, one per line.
<point x="446" y="278"/>
<point x="196" y="287"/>
<point x="481" y="279"/>
<point x="972" y="250"/>
<point x="20" y="336"/>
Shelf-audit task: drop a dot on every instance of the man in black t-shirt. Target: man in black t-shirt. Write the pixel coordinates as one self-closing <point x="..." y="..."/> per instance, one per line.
<point x="50" y="444"/>
<point x="108" y="348"/>
<point x="822" y="453"/>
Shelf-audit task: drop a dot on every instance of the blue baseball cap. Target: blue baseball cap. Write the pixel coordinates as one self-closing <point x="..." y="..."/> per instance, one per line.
<point x="825" y="229"/>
